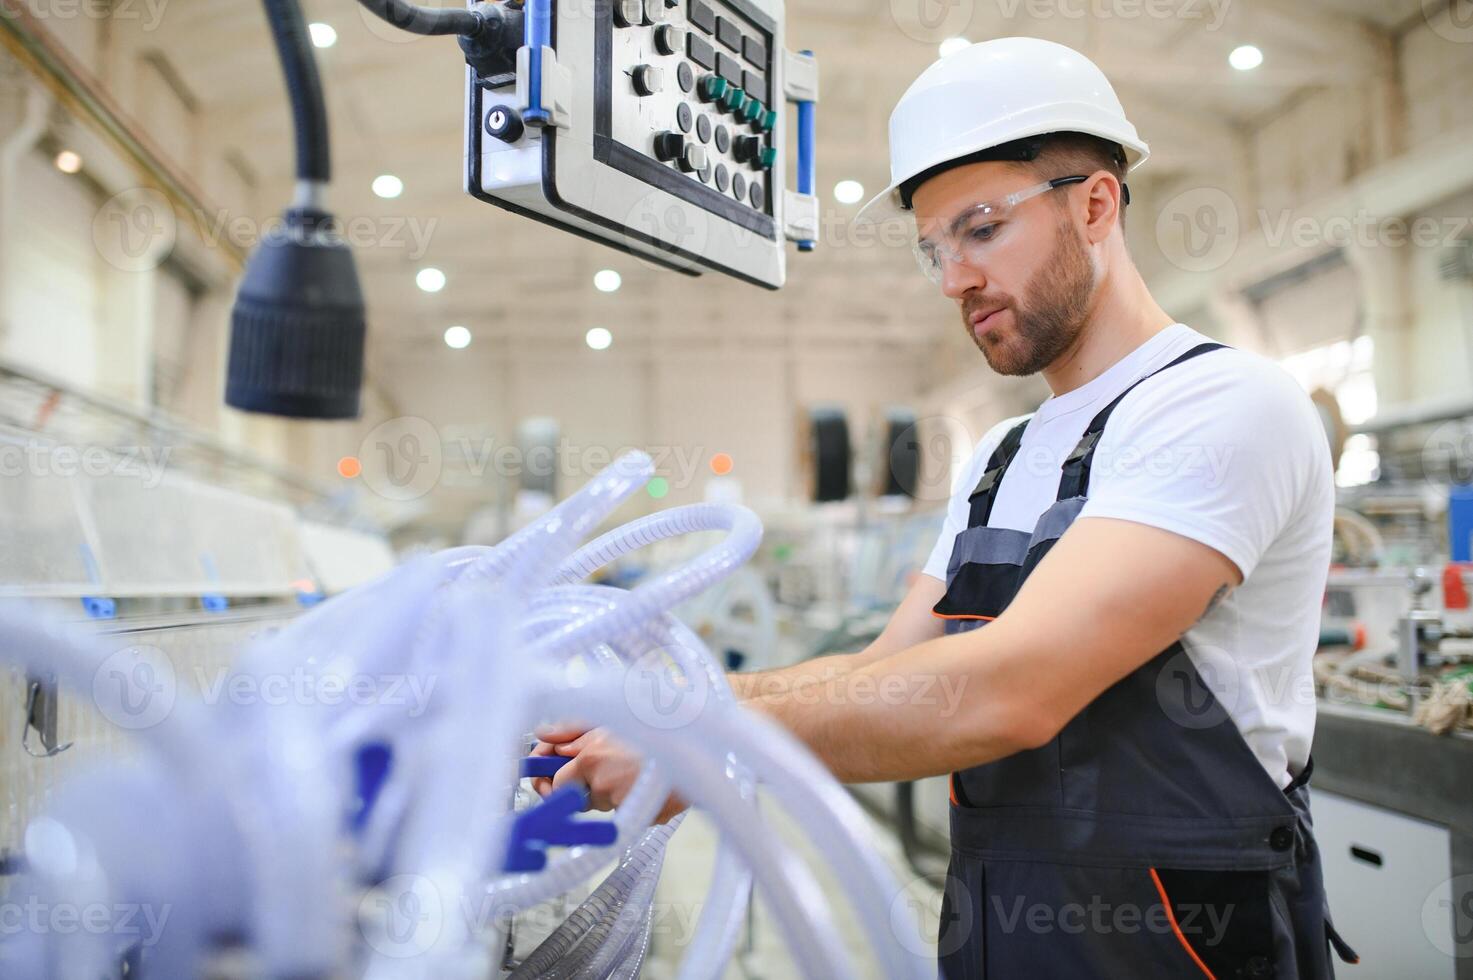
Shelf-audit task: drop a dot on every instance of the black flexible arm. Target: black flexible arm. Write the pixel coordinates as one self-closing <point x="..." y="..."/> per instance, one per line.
<point x="304" y="87"/>
<point x="425" y="20"/>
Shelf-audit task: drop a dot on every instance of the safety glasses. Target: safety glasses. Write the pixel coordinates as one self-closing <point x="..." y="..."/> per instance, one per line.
<point x="971" y="234"/>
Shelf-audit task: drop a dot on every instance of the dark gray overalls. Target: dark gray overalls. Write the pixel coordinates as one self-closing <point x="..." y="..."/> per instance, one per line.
<point x="1146" y="839"/>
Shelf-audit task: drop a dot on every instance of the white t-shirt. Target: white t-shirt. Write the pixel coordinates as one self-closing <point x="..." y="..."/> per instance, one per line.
<point x="1225" y="449"/>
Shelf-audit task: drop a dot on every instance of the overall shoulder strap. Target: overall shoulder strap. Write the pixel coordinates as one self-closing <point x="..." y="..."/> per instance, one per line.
<point x="985" y="493"/>
<point x="1074" y="481"/>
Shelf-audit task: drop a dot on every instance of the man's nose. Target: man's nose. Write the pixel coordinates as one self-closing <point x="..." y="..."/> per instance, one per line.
<point x="958" y="278"/>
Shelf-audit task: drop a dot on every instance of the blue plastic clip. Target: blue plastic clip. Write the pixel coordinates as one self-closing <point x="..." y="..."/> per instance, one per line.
<point x="807" y="155"/>
<point x="309" y="599"/>
<point x="99" y="607"/>
<point x="551" y="824"/>
<point x="214" y="602"/>
<point x="536" y="34"/>
<point x="534" y="766"/>
<point x="372" y="765"/>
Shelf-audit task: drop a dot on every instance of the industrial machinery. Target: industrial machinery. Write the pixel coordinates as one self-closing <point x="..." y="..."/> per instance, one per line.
<point x="655" y="126"/>
<point x="389" y="772"/>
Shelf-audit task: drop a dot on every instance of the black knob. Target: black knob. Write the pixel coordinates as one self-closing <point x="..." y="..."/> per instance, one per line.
<point x="668" y="146"/>
<point x="505" y="123"/>
<point x="648" y="79"/>
<point x="669" y="39"/>
<point x="746" y="148"/>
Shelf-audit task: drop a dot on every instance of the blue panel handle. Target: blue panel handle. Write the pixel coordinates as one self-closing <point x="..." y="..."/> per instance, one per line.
<point x="534" y="766"/>
<point x="536" y="34"/>
<point x="551" y="824"/>
<point x="807" y="155"/>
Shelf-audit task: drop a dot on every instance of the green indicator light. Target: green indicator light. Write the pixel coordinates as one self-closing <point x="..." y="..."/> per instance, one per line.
<point x="713" y="87"/>
<point x="658" y="487"/>
<point x="768" y="121"/>
<point x="752" y="111"/>
<point x="768" y="157"/>
<point x="734" y="100"/>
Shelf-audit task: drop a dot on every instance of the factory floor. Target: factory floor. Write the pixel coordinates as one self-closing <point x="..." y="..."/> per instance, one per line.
<point x="762" y="954"/>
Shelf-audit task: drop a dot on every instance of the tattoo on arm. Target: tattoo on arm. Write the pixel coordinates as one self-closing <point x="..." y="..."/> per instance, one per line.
<point x="1217" y="597"/>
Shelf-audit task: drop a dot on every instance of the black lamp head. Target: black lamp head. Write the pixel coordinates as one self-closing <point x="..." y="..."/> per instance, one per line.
<point x="297" y="329"/>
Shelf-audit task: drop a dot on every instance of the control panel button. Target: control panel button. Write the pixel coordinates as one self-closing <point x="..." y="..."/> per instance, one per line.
<point x="669" y="39"/>
<point x="669" y="146"/>
<point x="684" y="118"/>
<point x="767" y="157"/>
<point x="757" y="196"/>
<point x="504" y="123"/>
<point x="723" y="139"/>
<point x="654" y="11"/>
<point x="713" y="87"/>
<point x="734" y="100"/>
<point x="768" y="121"/>
<point x="648" y="79"/>
<point x="703" y="128"/>
<point x="746" y="148"/>
<point x="728" y="34"/>
<point x="702" y="16"/>
<point x="754" y="51"/>
<point x="729" y="68"/>
<point x="629" y="13"/>
<point x="739" y="186"/>
<point x="756" y="85"/>
<point x="701" y="51"/>
<point x="685" y="76"/>
<point x="723" y="178"/>
<point x="693" y="158"/>
<point x="752" y="111"/>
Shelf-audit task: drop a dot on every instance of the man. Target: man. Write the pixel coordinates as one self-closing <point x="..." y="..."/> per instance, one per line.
<point x="1129" y="752"/>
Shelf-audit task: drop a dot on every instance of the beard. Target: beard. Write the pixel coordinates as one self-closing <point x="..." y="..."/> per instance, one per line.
<point x="1050" y="321"/>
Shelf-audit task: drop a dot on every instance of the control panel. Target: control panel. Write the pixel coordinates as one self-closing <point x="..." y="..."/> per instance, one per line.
<point x="655" y="126"/>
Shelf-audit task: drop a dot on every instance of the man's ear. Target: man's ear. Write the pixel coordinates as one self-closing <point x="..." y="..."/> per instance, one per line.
<point x="1102" y="206"/>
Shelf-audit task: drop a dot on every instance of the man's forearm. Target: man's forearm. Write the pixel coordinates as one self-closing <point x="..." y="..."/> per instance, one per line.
<point x="783" y="681"/>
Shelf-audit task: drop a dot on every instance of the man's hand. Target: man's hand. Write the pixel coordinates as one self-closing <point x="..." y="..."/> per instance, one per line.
<point x="601" y="764"/>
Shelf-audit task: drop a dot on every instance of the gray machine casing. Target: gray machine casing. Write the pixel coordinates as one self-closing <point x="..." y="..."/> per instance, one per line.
<point x="593" y="170"/>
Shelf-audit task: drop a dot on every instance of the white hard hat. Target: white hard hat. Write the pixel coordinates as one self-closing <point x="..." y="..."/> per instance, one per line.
<point x="992" y="93"/>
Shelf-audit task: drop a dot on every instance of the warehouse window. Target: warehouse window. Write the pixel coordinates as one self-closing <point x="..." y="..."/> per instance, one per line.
<point x="1344" y="369"/>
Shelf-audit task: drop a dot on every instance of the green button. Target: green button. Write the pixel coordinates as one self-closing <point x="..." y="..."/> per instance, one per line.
<point x="768" y="121"/>
<point x="752" y="111"/>
<point x="734" y="100"/>
<point x="767" y="158"/>
<point x="713" y="87"/>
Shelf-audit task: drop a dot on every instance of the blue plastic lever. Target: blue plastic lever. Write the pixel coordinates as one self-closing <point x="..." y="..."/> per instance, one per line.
<point x="536" y="34"/>
<point x="534" y="766"/>
<point x="807" y="155"/>
<point x="551" y="824"/>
